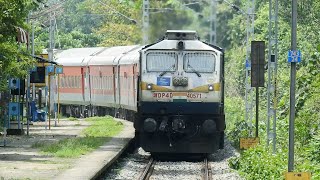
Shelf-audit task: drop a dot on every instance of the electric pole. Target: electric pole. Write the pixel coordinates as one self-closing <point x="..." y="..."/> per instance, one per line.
<point x="145" y="21"/>
<point x="292" y="86"/>
<point x="248" y="89"/>
<point x="272" y="73"/>
<point x="213" y="23"/>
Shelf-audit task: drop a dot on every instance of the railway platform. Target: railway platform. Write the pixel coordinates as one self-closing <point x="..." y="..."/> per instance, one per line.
<point x="20" y="160"/>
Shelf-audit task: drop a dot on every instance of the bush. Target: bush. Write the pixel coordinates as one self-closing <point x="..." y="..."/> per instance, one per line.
<point x="257" y="163"/>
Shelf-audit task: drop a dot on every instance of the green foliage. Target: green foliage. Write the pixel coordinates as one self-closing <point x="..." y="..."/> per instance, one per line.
<point x="257" y="163"/>
<point x="308" y="119"/>
<point x="313" y="148"/>
<point x="99" y="132"/>
<point x="102" y="127"/>
<point x="14" y="61"/>
<point x="236" y="126"/>
<point x="119" y="21"/>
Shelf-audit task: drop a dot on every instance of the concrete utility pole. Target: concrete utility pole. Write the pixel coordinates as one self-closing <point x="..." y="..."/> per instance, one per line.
<point x="249" y="97"/>
<point x="50" y="56"/>
<point x="213" y="23"/>
<point x="292" y="86"/>
<point x="272" y="73"/>
<point x="145" y="21"/>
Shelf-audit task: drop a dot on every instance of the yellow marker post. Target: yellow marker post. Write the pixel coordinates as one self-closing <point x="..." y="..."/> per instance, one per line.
<point x="297" y="175"/>
<point x="246" y="143"/>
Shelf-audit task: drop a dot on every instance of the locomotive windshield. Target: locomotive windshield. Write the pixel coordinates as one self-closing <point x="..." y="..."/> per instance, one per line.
<point x="161" y="61"/>
<point x="199" y="62"/>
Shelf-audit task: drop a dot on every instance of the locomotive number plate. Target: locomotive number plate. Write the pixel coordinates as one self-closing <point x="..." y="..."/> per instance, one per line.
<point x="177" y="95"/>
<point x="163" y="95"/>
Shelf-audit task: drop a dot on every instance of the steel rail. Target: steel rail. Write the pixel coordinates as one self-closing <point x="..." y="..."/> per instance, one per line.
<point x="148" y="170"/>
<point x="207" y="172"/>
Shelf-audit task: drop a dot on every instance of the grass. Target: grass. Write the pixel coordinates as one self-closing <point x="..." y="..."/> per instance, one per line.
<point x="100" y="131"/>
<point x="72" y="119"/>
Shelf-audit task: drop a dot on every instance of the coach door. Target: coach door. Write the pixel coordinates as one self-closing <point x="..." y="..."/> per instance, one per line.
<point x="114" y="84"/>
<point x="85" y="84"/>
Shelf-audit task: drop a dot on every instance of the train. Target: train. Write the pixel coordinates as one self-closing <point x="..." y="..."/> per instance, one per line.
<point x="172" y="90"/>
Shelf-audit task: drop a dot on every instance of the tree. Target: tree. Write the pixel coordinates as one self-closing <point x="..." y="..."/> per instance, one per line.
<point x="14" y="60"/>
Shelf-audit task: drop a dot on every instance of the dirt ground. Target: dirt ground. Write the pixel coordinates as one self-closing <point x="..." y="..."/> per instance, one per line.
<point x="19" y="161"/>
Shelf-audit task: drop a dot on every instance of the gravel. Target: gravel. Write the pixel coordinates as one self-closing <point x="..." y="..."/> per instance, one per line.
<point x="177" y="170"/>
<point x="131" y="166"/>
<point x="219" y="163"/>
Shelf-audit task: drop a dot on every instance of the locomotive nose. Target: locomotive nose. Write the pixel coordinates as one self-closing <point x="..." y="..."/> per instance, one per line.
<point x="209" y="126"/>
<point x="150" y="125"/>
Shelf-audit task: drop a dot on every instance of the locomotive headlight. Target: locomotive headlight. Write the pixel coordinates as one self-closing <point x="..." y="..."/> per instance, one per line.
<point x="210" y="87"/>
<point x="149" y="86"/>
<point x="180" y="45"/>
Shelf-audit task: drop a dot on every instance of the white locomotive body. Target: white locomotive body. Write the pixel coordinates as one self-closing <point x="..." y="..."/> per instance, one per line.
<point x="181" y="95"/>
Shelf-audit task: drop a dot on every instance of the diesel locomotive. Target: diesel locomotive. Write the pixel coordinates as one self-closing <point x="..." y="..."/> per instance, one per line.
<point x="173" y="90"/>
<point x="181" y="95"/>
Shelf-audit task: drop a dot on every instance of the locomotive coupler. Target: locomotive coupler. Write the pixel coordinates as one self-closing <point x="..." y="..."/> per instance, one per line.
<point x="178" y="124"/>
<point x="163" y="123"/>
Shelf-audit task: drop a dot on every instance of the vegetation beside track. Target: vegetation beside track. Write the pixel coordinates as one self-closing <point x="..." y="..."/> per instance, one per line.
<point x="261" y="162"/>
<point x="101" y="130"/>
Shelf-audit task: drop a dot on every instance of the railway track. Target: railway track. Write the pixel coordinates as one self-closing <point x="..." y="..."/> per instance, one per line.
<point x="140" y="165"/>
<point x="148" y="170"/>
<point x="206" y="170"/>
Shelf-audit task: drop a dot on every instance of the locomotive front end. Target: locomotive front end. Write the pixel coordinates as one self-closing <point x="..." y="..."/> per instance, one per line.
<point x="180" y="105"/>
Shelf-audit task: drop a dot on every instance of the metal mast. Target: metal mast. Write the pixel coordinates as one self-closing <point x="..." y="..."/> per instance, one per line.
<point x="145" y="21"/>
<point x="272" y="73"/>
<point x="248" y="89"/>
<point x="213" y="23"/>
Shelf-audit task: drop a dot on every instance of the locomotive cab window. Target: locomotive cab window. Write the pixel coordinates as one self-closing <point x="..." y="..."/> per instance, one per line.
<point x="161" y="61"/>
<point x="203" y="62"/>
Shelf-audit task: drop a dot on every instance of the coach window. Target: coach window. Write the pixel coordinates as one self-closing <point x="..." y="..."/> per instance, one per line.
<point x="65" y="82"/>
<point x="61" y="82"/>
<point x="80" y="82"/>
<point x="161" y="61"/>
<point x="200" y="62"/>
<point x="97" y="82"/>
<point x="107" y="82"/>
<point x="93" y="82"/>
<point x="70" y="81"/>
<point x="73" y="81"/>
